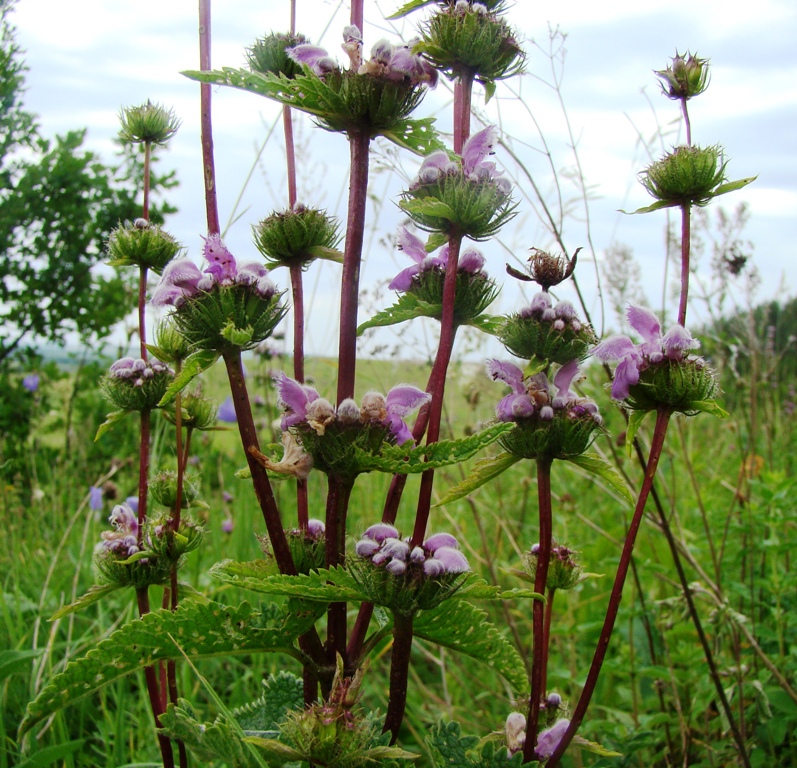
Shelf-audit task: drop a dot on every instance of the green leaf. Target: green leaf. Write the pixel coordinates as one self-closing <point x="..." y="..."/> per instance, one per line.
<point x="594" y="464"/>
<point x="449" y="747"/>
<point x="657" y="206"/>
<point x="429" y="206"/>
<point x="487" y="323"/>
<point x="13" y="661"/>
<point x="192" y="367"/>
<point x="275" y="749"/>
<point x="435" y="241"/>
<point x="404" y="459"/>
<point x="485" y="470"/>
<point x="634" y="423"/>
<point x="95" y="593"/>
<point x="408" y="307"/>
<point x="281" y="693"/>
<point x="489" y="90"/>
<point x="592" y="746"/>
<point x="50" y="755"/>
<point x="709" y="406"/>
<point x="322" y="252"/>
<point x="418" y="136"/>
<point x="732" y="186"/>
<point x="464" y="628"/>
<point x="325" y="585"/>
<point x="409" y="7"/>
<point x="201" y="630"/>
<point x="111" y="420"/>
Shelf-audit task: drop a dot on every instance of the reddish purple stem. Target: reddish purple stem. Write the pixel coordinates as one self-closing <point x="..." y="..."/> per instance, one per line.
<point x="208" y="163"/>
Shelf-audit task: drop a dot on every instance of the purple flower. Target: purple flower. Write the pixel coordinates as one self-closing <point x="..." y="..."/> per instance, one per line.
<point x="400" y="401"/>
<point x="451" y="560"/>
<point x="381" y="531"/>
<point x="31" y="382"/>
<point x="414" y="248"/>
<point x="295" y="398"/>
<point x="315" y="527"/>
<point x="227" y="525"/>
<point x="312" y="56"/>
<point x="477" y="148"/>
<point x="95" y="498"/>
<point x="226" y="412"/>
<point x="181" y="280"/>
<point x="634" y="358"/>
<point x="518" y="404"/>
<point x="221" y="262"/>
<point x="227" y="496"/>
<point x="434" y="542"/>
<point x="549" y="739"/>
<point x="562" y="380"/>
<point x="132" y="502"/>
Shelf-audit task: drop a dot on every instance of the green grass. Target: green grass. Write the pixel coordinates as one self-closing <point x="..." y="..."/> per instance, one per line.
<point x="49" y="534"/>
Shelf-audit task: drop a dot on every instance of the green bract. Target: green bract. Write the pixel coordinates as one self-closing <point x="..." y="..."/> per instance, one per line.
<point x="297" y="236"/>
<point x="530" y="338"/>
<point x="228" y="318"/>
<point x="267" y="55"/>
<point x="686" y="77"/>
<point x="308" y="551"/>
<point x="142" y="244"/>
<point x="475" y="292"/>
<point x="170" y="345"/>
<point x="476" y="43"/>
<point x="562" y="437"/>
<point x="686" y="175"/>
<point x="147" y="124"/>
<point x="457" y="206"/>
<point x="163" y="488"/>
<point x="196" y="412"/>
<point x="126" y="395"/>
<point x="685" y="386"/>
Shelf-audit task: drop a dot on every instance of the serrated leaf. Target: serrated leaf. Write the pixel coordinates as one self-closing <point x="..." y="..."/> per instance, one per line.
<point x="594" y="464"/>
<point x="95" y="593"/>
<point x="276" y="749"/>
<point x="732" y="186"/>
<point x="634" y="423"/>
<point x="201" y="630"/>
<point x="418" y="136"/>
<point x="110" y="421"/>
<point x="464" y="628"/>
<point x="408" y="307"/>
<point x="429" y="206"/>
<point x="322" y="252"/>
<point x="403" y="459"/>
<point x="409" y="7"/>
<point x="479" y="589"/>
<point x="208" y="741"/>
<point x="485" y="470"/>
<point x="325" y="585"/>
<point x="192" y="367"/>
<point x="281" y="693"/>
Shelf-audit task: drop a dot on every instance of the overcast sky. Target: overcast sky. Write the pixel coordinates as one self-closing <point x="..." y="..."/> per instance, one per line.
<point x="88" y="58"/>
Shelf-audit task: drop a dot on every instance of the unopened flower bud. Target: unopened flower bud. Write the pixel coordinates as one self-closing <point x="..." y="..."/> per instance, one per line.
<point x="687" y="76"/>
<point x="147" y="124"/>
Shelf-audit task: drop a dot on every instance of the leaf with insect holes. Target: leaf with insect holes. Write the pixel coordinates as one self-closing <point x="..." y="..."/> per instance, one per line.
<point x="462" y="627"/>
<point x="196" y="629"/>
<point x="484" y="470"/>
<point x="404" y="459"/>
<point x="419" y="136"/>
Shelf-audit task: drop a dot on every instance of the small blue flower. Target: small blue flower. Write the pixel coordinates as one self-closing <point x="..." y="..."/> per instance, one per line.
<point x="31" y="382"/>
<point x="226" y="412"/>
<point x="95" y="498"/>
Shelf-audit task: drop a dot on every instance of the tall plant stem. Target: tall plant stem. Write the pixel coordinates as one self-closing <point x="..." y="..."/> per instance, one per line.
<point x="357" y="14"/>
<point x="143" y="471"/>
<point x="546" y="639"/>
<point x="540" y="658"/>
<point x="687" y="122"/>
<point x="151" y="678"/>
<point x="445" y="348"/>
<point x="337" y="506"/>
<point x="142" y="312"/>
<point x="399" y="673"/>
<point x="656" y="446"/>
<point x="206" y="121"/>
<point x="686" y="240"/>
<point x="260" y="481"/>
<point x="147" y="178"/>
<point x="297" y="290"/>
<point x="463" y="90"/>
<point x="359" y="143"/>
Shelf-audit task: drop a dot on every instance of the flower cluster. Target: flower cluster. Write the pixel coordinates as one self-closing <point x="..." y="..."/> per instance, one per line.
<point x="123" y="540"/>
<point x="554" y="424"/>
<point x="658" y="370"/>
<point x="546" y="331"/>
<point x="474" y="165"/>
<point x="564" y="572"/>
<point x="438" y="555"/>
<point x="137" y="372"/>
<point x="533" y="396"/>
<point x="182" y="279"/>
<point x="547" y="740"/>
<point x="388" y="62"/>
<point x="304" y="406"/>
<point x="471" y="261"/>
